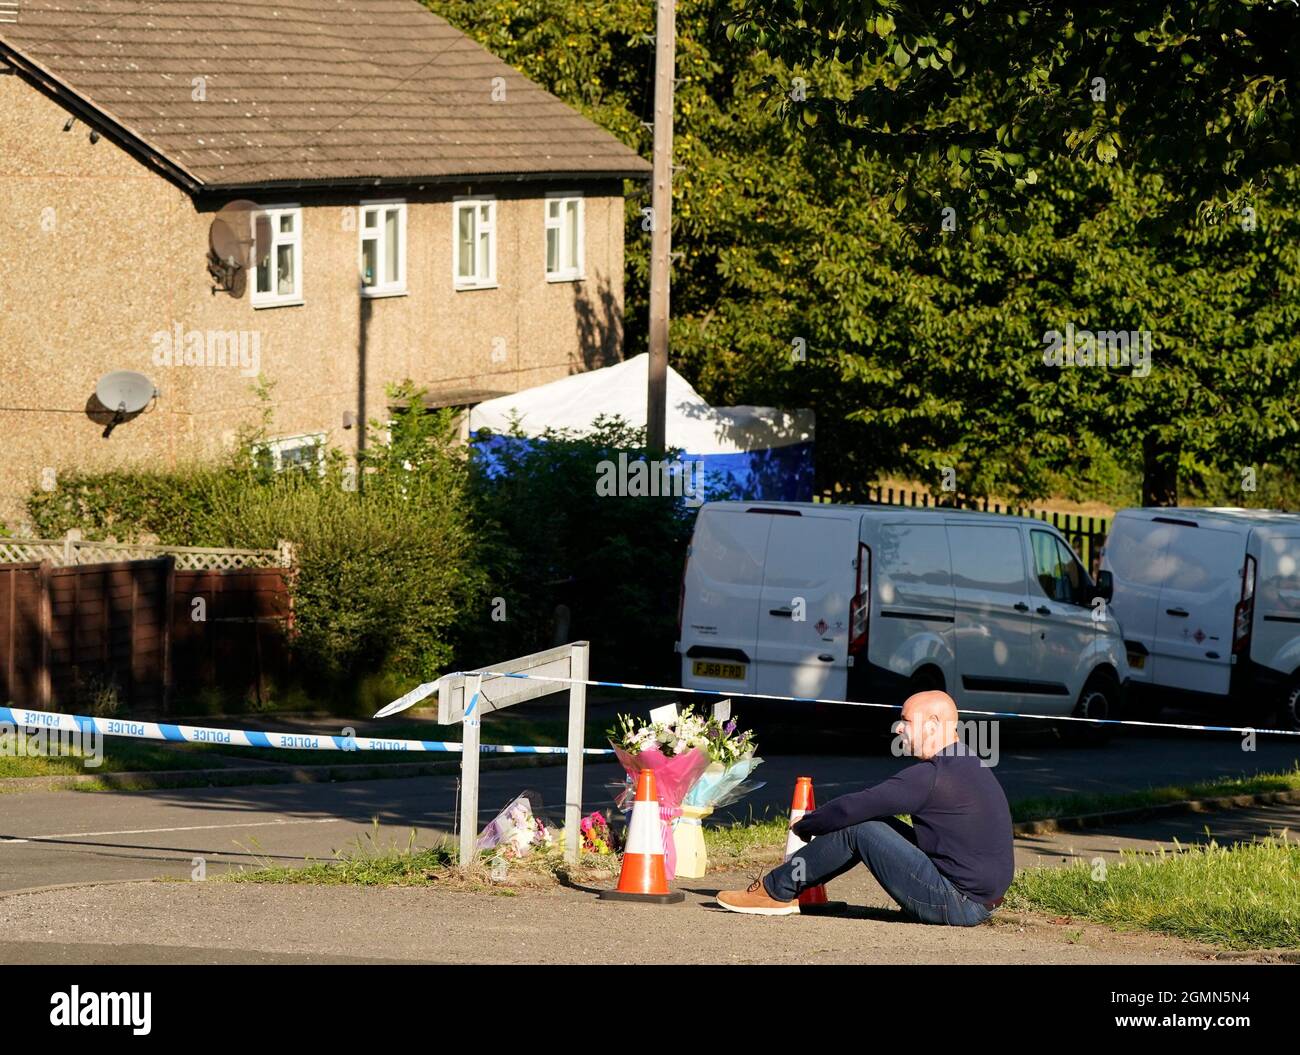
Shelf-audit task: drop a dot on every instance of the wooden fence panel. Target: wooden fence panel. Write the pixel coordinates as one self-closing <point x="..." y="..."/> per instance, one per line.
<point x="75" y="635"/>
<point x="106" y="622"/>
<point x="239" y="642"/>
<point x="20" y="632"/>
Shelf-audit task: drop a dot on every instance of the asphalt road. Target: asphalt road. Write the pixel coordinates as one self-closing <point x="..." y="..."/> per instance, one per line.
<point x="49" y="838"/>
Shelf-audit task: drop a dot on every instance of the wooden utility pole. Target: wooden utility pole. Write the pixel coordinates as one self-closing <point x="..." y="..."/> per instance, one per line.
<point x="661" y="204"/>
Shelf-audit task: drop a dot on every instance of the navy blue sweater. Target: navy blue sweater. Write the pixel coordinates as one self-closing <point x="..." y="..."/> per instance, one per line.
<point x="959" y="813"/>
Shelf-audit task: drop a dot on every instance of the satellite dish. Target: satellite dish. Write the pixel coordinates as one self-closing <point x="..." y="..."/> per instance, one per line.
<point x="125" y="393"/>
<point x="240" y="235"/>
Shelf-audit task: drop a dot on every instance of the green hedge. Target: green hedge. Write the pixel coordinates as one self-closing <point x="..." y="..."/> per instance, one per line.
<point x="387" y="565"/>
<point x="615" y="562"/>
<point x="432" y="562"/>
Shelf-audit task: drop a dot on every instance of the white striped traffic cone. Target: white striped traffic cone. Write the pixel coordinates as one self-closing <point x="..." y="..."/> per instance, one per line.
<point x="644" y="876"/>
<point x="803" y="803"/>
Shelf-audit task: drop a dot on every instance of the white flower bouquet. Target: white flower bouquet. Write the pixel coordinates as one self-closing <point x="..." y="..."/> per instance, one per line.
<point x="517" y="830"/>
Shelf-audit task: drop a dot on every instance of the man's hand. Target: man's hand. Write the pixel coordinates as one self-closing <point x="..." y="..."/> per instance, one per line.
<point x="800" y="827"/>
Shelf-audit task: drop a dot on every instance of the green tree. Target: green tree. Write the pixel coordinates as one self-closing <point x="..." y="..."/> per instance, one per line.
<point x="1197" y="91"/>
<point x="816" y="268"/>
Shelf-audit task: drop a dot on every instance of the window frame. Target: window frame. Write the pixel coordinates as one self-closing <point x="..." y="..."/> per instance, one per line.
<point x="1065" y="557"/>
<point x="277" y="447"/>
<point x="273" y="299"/>
<point x="577" y="272"/>
<point x="380" y="206"/>
<point x="473" y="202"/>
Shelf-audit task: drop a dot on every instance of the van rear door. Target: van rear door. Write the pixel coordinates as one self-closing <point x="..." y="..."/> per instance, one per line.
<point x="1198" y="596"/>
<point x="724" y="580"/>
<point x="803" y="616"/>
<point x="1276" y="623"/>
<point x="1135" y="555"/>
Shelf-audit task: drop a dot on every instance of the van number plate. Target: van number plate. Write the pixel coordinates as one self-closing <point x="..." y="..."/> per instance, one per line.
<point x="702" y="669"/>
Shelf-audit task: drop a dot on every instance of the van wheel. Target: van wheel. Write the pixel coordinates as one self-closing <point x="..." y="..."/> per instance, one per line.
<point x="1099" y="699"/>
<point x="1288" y="714"/>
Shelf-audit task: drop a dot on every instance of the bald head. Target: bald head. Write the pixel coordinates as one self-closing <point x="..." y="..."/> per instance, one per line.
<point x="933" y="704"/>
<point x="928" y="723"/>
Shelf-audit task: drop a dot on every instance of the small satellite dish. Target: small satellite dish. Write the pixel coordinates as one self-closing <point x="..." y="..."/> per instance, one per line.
<point x="124" y="393"/>
<point x="240" y="236"/>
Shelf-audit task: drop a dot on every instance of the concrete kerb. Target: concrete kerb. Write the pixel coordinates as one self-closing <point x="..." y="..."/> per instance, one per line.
<point x="1084" y="821"/>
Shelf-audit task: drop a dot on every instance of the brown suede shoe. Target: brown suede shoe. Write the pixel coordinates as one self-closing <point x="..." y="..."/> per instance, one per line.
<point x="756" y="901"/>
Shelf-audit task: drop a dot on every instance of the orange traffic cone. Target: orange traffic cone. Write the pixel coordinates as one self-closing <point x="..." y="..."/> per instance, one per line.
<point x="804" y="803"/>
<point x="644" y="876"/>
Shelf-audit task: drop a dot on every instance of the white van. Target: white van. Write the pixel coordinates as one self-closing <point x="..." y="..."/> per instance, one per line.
<point x="1209" y="600"/>
<point x="872" y="603"/>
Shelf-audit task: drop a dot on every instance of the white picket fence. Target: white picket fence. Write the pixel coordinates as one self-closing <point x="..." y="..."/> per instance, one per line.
<point x="72" y="549"/>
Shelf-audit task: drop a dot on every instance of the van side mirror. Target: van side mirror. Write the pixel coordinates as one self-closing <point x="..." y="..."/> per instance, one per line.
<point x="1105" y="588"/>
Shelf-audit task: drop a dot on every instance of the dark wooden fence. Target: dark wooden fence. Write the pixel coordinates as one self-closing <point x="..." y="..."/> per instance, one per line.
<point x="137" y="632"/>
<point x="1086" y="534"/>
<point x="241" y="645"/>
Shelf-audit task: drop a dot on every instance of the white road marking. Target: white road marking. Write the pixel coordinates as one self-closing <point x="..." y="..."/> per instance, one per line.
<point x="151" y="831"/>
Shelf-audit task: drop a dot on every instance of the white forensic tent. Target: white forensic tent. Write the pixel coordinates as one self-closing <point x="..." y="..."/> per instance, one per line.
<point x="752" y="452"/>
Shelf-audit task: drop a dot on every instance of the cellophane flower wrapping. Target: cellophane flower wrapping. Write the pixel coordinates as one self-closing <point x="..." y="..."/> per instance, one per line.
<point x="718" y="781"/>
<point x="674" y="777"/>
<point x="516" y="830"/>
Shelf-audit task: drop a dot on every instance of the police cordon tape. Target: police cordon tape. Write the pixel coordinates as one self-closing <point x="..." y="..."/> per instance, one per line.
<point x="415" y="695"/>
<point x="194" y="734"/>
<point x="197" y="734"/>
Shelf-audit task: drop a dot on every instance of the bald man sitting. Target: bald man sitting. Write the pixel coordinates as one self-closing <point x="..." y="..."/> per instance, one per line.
<point x="951" y="865"/>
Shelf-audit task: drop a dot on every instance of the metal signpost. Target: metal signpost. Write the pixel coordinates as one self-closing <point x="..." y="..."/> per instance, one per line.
<point x="466" y="697"/>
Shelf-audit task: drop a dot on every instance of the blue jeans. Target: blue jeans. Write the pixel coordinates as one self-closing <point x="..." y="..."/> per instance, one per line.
<point x="888" y="848"/>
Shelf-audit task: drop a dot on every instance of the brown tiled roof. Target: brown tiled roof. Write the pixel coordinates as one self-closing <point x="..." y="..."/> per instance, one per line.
<point x="305" y="90"/>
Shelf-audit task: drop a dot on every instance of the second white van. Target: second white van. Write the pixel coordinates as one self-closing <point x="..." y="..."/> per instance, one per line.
<point x="871" y="603"/>
<point x="1209" y="600"/>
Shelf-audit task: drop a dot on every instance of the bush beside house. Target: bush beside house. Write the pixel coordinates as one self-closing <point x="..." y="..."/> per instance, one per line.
<point x="424" y="561"/>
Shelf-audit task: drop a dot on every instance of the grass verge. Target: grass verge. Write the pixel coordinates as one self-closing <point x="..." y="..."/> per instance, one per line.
<point x="120" y="756"/>
<point x="1244" y="896"/>
<point x="370" y="863"/>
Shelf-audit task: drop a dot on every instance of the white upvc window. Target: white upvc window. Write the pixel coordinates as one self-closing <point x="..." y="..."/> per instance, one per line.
<point x="474" y="242"/>
<point x="383" y="248"/>
<point x="564" y="225"/>
<point x="277" y="276"/>
<point x="294" y="452"/>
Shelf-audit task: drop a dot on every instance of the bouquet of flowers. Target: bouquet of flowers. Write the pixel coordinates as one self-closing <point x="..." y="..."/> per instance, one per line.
<point x="516" y="830"/>
<point x="731" y="761"/>
<point x="596" y="836"/>
<point x="675" y="749"/>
